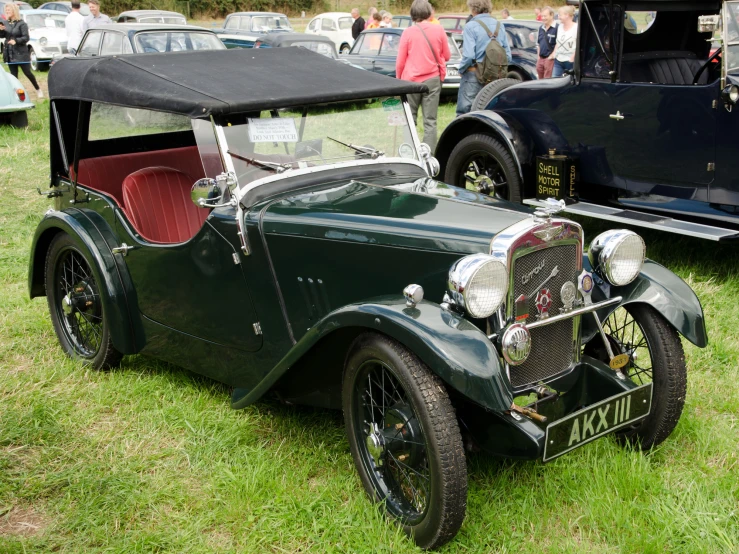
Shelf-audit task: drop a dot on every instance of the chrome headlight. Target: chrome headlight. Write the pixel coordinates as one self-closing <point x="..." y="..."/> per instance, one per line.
<point x="478" y="283"/>
<point x="617" y="256"/>
<point x="43" y="40"/>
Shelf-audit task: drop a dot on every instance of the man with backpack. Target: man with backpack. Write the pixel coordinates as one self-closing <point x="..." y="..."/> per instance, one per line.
<point x="485" y="53"/>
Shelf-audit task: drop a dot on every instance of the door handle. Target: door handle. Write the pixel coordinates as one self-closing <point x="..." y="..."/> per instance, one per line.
<point x="617" y="116"/>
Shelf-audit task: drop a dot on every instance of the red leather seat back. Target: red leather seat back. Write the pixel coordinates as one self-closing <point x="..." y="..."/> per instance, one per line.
<point x="106" y="173"/>
<point x="158" y="205"/>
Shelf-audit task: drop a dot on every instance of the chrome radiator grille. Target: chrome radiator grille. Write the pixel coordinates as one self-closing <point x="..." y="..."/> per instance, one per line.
<point x="552" y="346"/>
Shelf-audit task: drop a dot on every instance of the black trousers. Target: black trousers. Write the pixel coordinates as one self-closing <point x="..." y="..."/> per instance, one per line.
<point x="26" y="67"/>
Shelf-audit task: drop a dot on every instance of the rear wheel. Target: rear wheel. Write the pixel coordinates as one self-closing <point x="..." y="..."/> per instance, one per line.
<point x="487" y="92"/>
<point x="405" y="440"/>
<point x="19" y="119"/>
<point x="483" y="163"/>
<point x="76" y="307"/>
<point x="655" y="356"/>
<point x="344" y="49"/>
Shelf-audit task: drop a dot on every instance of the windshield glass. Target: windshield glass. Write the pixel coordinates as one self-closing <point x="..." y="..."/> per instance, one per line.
<point x="270" y="23"/>
<point x="267" y="143"/>
<point x="174" y="20"/>
<point x="320" y="47"/>
<point x="36" y="21"/>
<point x="175" y="41"/>
<point x="731" y="26"/>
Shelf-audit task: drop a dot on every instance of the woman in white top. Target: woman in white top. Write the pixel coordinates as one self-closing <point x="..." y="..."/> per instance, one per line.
<point x="564" y="51"/>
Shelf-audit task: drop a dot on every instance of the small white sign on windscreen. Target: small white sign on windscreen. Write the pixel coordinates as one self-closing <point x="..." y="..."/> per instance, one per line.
<point x="272" y="130"/>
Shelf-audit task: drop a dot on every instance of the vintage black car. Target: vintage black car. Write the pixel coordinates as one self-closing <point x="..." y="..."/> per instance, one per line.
<point x="376" y="50"/>
<point x="319" y="261"/>
<point x="647" y="116"/>
<point x="251" y="26"/>
<point x="315" y="43"/>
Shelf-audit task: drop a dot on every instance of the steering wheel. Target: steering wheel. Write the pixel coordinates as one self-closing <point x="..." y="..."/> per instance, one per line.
<point x="716" y="56"/>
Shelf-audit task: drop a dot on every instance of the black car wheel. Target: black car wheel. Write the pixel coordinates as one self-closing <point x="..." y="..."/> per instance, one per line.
<point x="35" y="64"/>
<point x="655" y="355"/>
<point x="19" y="119"/>
<point x="345" y="48"/>
<point x="405" y="439"/>
<point x="487" y="92"/>
<point x="76" y="305"/>
<point x="482" y="163"/>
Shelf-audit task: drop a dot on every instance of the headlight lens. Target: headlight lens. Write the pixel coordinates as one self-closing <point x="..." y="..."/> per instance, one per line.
<point x="43" y="40"/>
<point x="479" y="284"/>
<point x="734" y="94"/>
<point x="617" y="255"/>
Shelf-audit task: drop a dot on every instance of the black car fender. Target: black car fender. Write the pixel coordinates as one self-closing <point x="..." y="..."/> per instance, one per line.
<point x="487" y="122"/>
<point x="661" y="289"/>
<point x="452" y="347"/>
<point x="95" y="238"/>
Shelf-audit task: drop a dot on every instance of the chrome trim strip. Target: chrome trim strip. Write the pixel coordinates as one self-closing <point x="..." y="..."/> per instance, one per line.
<point x="576" y="312"/>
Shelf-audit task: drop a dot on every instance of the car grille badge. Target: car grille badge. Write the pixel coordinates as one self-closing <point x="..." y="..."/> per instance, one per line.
<point x="548" y="233"/>
<point x="543" y="303"/>
<point x="567" y="293"/>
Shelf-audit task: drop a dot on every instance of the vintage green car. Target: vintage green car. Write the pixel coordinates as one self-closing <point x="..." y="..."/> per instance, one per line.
<point x="277" y="232"/>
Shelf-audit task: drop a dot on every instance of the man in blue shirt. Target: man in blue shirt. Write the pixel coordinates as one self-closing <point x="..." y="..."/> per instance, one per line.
<point x="476" y="40"/>
<point x="545" y="44"/>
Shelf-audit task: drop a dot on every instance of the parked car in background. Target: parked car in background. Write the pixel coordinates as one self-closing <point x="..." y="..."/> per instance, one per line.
<point x="142" y="38"/>
<point x="402" y="21"/>
<point x="48" y="38"/>
<point x="522" y="36"/>
<point x="64" y="7"/>
<point x="376" y="50"/>
<point x="648" y="118"/>
<point x="253" y="25"/>
<point x="315" y="43"/>
<point x="21" y="6"/>
<point x="14" y="101"/>
<point x="454" y="24"/>
<point x="335" y="25"/>
<point x="152" y="16"/>
<point x="260" y="231"/>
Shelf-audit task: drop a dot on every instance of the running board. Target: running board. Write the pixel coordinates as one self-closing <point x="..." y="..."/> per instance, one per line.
<point x="642" y="219"/>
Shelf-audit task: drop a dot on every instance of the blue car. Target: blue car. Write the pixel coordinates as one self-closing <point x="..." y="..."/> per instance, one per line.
<point x="14" y="101"/>
<point x="645" y="120"/>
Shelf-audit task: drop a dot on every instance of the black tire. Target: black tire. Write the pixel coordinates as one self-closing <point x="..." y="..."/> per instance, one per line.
<point x="487" y="92"/>
<point x="76" y="306"/>
<point x="483" y="163"/>
<point x="19" y="119"/>
<point x="655" y="355"/>
<point x="428" y="494"/>
<point x="344" y="49"/>
<point x="515" y="75"/>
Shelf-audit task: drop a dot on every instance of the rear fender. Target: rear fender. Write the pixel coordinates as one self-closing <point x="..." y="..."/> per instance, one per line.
<point x="94" y="237"/>
<point x="660" y="288"/>
<point x="454" y="349"/>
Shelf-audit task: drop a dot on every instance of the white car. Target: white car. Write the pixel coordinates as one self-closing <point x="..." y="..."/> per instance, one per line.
<point x="47" y="36"/>
<point x="335" y="25"/>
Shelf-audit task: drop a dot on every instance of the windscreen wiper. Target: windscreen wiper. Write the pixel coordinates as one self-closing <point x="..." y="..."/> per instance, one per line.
<point x="366" y="150"/>
<point x="276" y="167"/>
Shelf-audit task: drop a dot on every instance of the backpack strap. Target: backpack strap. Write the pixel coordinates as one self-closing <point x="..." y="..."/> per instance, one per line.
<point x="433" y="52"/>
<point x="487" y="29"/>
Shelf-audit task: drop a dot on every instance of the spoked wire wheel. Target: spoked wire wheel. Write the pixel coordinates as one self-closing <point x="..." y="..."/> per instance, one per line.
<point x="482" y="163"/>
<point x="655" y="356"/>
<point x="405" y="439"/>
<point x="76" y="306"/>
<point x="395" y="449"/>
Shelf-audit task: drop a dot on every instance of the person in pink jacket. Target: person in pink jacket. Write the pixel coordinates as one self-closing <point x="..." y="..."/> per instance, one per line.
<point x="422" y="56"/>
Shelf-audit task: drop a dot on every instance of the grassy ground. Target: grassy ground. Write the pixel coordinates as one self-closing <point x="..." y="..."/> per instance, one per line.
<point x="150" y="458"/>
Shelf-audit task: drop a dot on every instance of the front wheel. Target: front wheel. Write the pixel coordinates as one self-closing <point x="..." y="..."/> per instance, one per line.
<point x="484" y="164"/>
<point x="76" y="307"/>
<point x="655" y="355"/>
<point x="344" y="49"/>
<point x="37" y="65"/>
<point x="404" y="439"/>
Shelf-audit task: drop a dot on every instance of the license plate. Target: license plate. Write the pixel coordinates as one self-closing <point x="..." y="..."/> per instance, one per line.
<point x="597" y="420"/>
<point x="451" y="72"/>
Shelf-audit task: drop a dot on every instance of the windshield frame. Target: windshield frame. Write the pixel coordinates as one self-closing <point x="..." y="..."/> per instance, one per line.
<point x="242" y="190"/>
<point x="725" y="42"/>
<point x="258" y="28"/>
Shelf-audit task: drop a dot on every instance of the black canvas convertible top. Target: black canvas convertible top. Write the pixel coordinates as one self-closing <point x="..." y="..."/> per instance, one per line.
<point x="219" y="82"/>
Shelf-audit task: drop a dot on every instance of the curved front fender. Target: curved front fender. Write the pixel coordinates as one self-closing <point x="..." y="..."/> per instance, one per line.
<point x="94" y="237"/>
<point x="485" y="121"/>
<point x="454" y="349"/>
<point x="660" y="288"/>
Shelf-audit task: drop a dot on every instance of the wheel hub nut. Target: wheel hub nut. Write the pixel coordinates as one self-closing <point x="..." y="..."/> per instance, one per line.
<point x="67" y="305"/>
<point x="375" y="444"/>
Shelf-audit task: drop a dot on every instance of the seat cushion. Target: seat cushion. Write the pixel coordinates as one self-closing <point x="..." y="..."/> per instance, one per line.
<point x="157" y="203"/>
<point x="664" y="68"/>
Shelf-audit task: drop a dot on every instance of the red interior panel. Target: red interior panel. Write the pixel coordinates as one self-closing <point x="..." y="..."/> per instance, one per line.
<point x="106" y="174"/>
<point x="157" y="203"/>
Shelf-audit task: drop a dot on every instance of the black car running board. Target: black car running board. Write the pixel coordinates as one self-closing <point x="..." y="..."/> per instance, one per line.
<point x="642" y="219"/>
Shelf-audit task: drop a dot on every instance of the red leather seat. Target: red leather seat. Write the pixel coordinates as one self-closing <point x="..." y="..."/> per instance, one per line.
<point x="157" y="203"/>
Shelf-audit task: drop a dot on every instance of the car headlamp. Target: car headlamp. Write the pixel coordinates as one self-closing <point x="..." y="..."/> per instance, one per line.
<point x="617" y="255"/>
<point x="478" y="283"/>
<point x="43" y="40"/>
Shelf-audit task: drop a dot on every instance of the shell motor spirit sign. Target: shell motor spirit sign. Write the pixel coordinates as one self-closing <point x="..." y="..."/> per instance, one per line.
<point x="556" y="177"/>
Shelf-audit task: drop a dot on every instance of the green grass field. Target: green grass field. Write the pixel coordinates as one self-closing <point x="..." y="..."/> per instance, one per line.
<point x="150" y="458"/>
